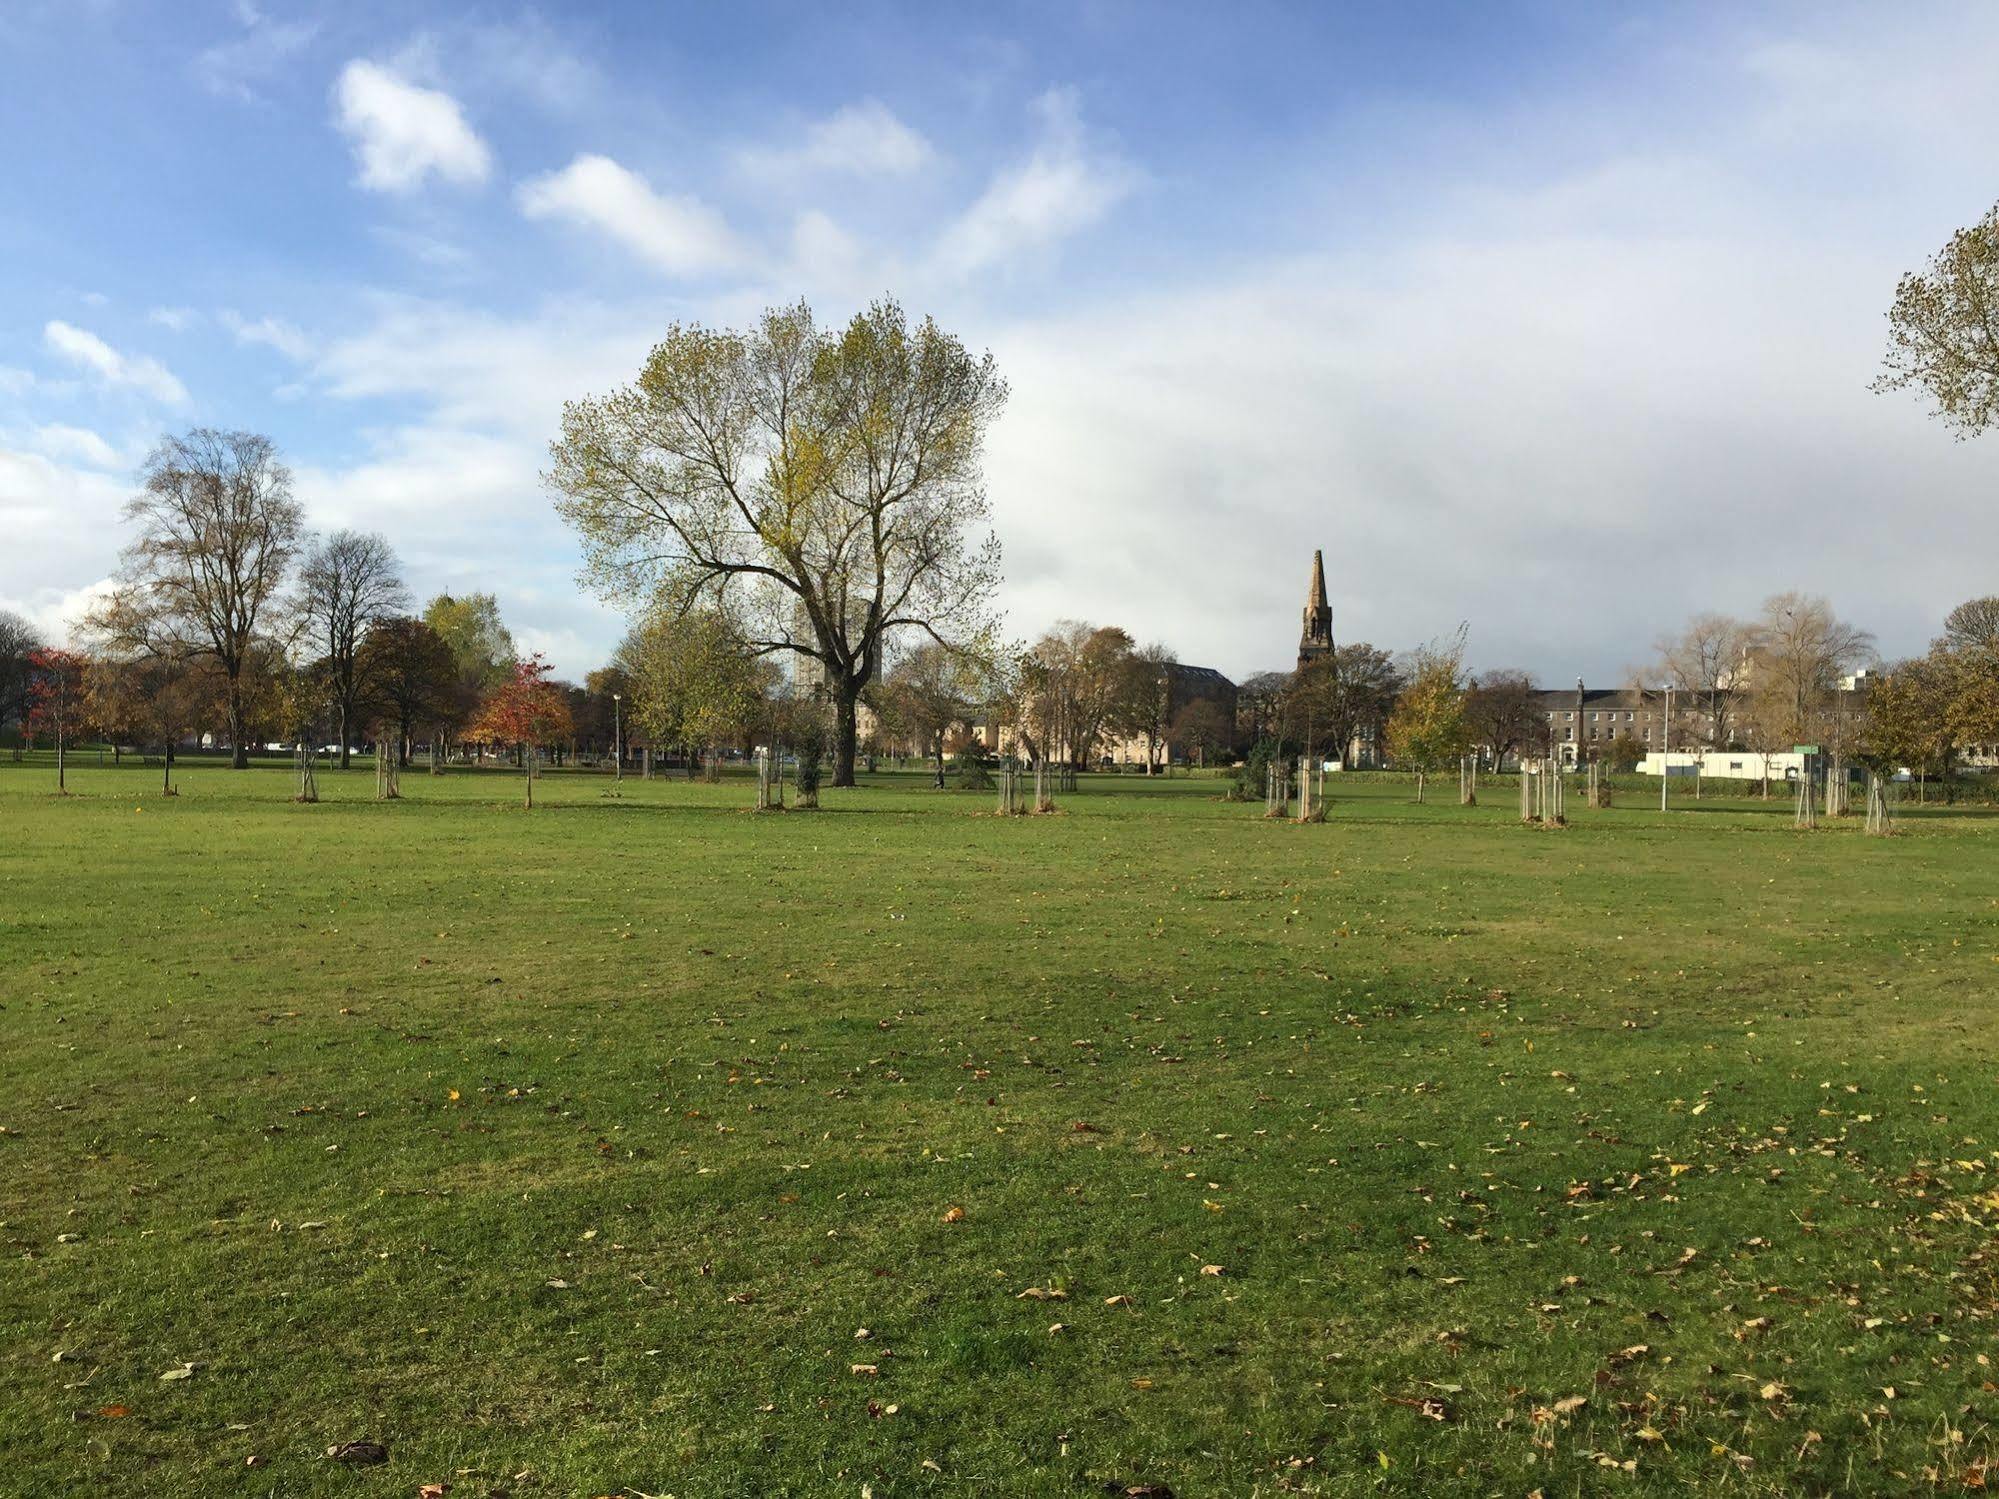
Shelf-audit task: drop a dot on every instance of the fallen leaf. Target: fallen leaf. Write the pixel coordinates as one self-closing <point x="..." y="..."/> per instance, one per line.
<point x="954" y="1215"/>
<point x="184" y="1371"/>
<point x="358" y="1454"/>
<point x="1568" y="1405"/>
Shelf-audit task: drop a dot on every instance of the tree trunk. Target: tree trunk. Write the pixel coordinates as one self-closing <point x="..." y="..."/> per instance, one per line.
<point x="239" y="757"/>
<point x="846" y="730"/>
<point x="167" y="769"/>
<point x="60" y="786"/>
<point x="344" y="717"/>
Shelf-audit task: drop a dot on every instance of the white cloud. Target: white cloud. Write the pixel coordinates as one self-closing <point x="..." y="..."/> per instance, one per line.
<point x="679" y="235"/>
<point x="1063" y="187"/>
<point x="174" y="319"/>
<point x="141" y="373"/>
<point x="236" y="68"/>
<point x="862" y="140"/>
<point x="59" y="441"/>
<point x="402" y="132"/>
<point x="827" y="259"/>
<point x="72" y="514"/>
<point x="14" y="381"/>
<point x="272" y="332"/>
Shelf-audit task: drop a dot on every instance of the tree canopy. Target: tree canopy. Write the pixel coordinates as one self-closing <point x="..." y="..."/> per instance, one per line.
<point x="1943" y="330"/>
<point x="821" y="490"/>
<point x="218" y="531"/>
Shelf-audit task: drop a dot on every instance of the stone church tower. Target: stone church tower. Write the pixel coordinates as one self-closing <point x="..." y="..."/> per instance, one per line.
<point x="1316" y="639"/>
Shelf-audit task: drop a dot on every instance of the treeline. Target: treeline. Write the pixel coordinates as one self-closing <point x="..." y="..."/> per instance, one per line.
<point x="231" y="621"/>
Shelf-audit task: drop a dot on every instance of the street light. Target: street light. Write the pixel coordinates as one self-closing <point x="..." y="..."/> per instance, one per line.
<point x="1666" y="750"/>
<point x="618" y="734"/>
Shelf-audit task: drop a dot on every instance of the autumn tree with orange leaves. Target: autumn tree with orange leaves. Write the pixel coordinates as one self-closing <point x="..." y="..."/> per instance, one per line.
<point x="526" y="711"/>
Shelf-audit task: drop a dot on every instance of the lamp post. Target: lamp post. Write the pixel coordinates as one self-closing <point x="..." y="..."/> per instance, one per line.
<point x="1666" y="750"/>
<point x="618" y="734"/>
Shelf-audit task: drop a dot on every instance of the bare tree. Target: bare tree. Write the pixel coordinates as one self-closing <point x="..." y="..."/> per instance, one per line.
<point x="1146" y="705"/>
<point x="927" y="694"/>
<point x="1260" y="705"/>
<point x="1201" y="728"/>
<point x="1501" y="712"/>
<point x="348" y="582"/>
<point x="1799" y="652"/>
<point x="1943" y="330"/>
<point x="1701" y="662"/>
<point x="1341" y="699"/>
<point x="1074" y="686"/>
<point x="218" y="530"/>
<point x="823" y="487"/>
<point x="1973" y="626"/>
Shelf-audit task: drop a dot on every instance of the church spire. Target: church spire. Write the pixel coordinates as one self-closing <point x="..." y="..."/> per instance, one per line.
<point x="1316" y="639"/>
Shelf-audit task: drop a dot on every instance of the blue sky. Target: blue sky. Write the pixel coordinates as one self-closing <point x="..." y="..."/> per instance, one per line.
<point x="1553" y="319"/>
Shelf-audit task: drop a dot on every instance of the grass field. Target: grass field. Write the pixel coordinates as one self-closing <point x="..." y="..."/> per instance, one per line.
<point x="648" y="1146"/>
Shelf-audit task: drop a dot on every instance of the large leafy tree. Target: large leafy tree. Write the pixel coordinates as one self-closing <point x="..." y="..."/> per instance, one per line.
<point x="693" y="681"/>
<point x="348" y="582"/>
<point x="1943" y="330"/>
<point x="820" y="489"/>
<point x="218" y="532"/>
<point x="412" y="678"/>
<point x="480" y="644"/>
<point x="1908" y="724"/>
<point x="17" y="639"/>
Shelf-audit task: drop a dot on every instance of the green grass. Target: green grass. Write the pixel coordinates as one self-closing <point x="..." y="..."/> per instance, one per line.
<point x="566" y="1152"/>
